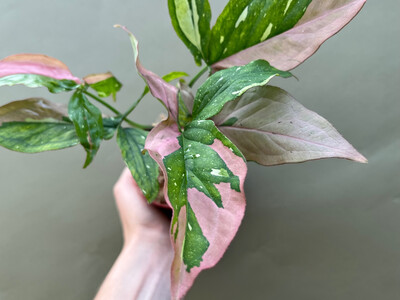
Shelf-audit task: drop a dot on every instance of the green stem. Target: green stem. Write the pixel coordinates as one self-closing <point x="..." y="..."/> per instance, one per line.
<point x="117" y="112"/>
<point x="195" y="78"/>
<point x="132" y="108"/>
<point x="102" y="102"/>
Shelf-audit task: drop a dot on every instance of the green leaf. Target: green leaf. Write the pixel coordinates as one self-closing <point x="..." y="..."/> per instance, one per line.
<point x="169" y="77"/>
<point x="184" y="116"/>
<point x="33" y="137"/>
<point x="197" y="165"/>
<point x="105" y="84"/>
<point x="144" y="169"/>
<point x="191" y="21"/>
<point x="229" y="84"/>
<point x="88" y="124"/>
<point x="244" y="23"/>
<point x="34" y="81"/>
<point x="110" y="125"/>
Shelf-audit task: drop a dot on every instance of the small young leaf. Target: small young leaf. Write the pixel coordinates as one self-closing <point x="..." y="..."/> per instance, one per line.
<point x="227" y="85"/>
<point x="204" y="174"/>
<point x="270" y="127"/>
<point x="323" y="19"/>
<point x="33" y="137"/>
<point x="144" y="169"/>
<point x="88" y="124"/>
<point x="186" y="94"/>
<point x="32" y="109"/>
<point x="159" y="88"/>
<point x="35" y="70"/>
<point x="191" y="21"/>
<point x="110" y="125"/>
<point x="105" y="84"/>
<point x="245" y="23"/>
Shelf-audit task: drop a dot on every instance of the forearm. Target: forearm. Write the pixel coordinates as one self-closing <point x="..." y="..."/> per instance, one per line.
<point x="142" y="270"/>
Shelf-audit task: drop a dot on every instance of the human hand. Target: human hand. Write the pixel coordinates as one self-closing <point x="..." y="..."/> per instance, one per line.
<point x="142" y="270"/>
<point x="138" y="218"/>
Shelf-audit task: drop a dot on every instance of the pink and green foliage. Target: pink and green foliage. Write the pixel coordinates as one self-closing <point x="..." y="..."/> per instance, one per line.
<point x="322" y="19"/>
<point x="203" y="145"/>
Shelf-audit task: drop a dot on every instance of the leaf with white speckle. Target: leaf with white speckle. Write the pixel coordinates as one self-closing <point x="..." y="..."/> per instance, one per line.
<point x="143" y="168"/>
<point x="204" y="174"/>
<point x="229" y="84"/>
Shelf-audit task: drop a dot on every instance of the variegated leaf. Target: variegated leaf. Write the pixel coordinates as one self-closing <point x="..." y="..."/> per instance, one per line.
<point x="36" y="70"/>
<point x="32" y="109"/>
<point x="159" y="88"/>
<point x="229" y="84"/>
<point x="204" y="175"/>
<point x="144" y="169"/>
<point x="244" y="23"/>
<point x="322" y="19"/>
<point x="191" y="21"/>
<point x="105" y="84"/>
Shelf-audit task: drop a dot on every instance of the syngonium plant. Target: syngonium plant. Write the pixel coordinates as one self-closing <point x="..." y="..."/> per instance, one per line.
<point x="203" y="145"/>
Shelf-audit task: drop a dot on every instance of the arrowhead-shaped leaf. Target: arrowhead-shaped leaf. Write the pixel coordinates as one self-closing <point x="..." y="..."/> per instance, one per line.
<point x="105" y="84"/>
<point x="36" y="70"/>
<point x="159" y="88"/>
<point x="286" y="51"/>
<point x="244" y="23"/>
<point x="270" y="127"/>
<point x="204" y="175"/>
<point x="191" y="21"/>
<point x="227" y="85"/>
<point x="88" y="124"/>
<point x="144" y="169"/>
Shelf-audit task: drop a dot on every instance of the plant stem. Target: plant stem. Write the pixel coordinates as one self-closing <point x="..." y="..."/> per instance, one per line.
<point x="132" y="108"/>
<point x="195" y="78"/>
<point x="117" y="112"/>
<point x="102" y="102"/>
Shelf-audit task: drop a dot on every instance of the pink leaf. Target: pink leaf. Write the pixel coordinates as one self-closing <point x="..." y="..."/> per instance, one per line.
<point x="270" y="127"/>
<point x="218" y="224"/>
<point x="323" y="19"/>
<point x="37" y="64"/>
<point x="159" y="88"/>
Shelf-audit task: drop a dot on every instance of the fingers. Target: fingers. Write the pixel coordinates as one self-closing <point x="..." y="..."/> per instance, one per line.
<point x="135" y="213"/>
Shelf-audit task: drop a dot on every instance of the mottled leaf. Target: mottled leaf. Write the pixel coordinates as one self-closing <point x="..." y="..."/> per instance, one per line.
<point x="33" y="137"/>
<point x="36" y="70"/>
<point x="245" y="23"/>
<point x="32" y="109"/>
<point x="204" y="175"/>
<point x="105" y="84"/>
<point x="144" y="169"/>
<point x="227" y="85"/>
<point x="270" y="127"/>
<point x="191" y="21"/>
<point x="88" y="124"/>
<point x="159" y="88"/>
<point x="286" y="51"/>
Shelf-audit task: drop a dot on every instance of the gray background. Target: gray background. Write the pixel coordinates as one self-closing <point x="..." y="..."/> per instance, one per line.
<point x="321" y="230"/>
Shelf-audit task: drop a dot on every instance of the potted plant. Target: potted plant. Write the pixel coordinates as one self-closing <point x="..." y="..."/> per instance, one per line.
<point x="201" y="149"/>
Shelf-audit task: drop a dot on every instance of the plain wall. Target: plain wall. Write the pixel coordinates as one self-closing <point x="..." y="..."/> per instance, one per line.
<point x="325" y="229"/>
